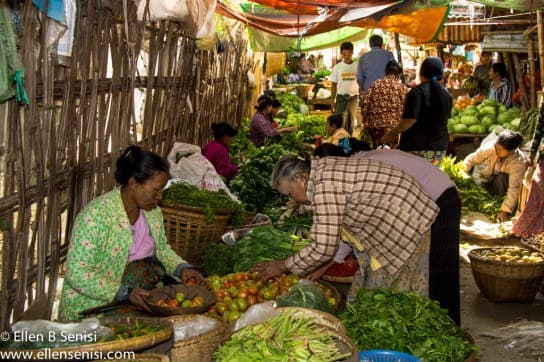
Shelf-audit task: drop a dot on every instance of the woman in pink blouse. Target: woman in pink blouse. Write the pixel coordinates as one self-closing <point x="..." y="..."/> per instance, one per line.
<point x="260" y="127"/>
<point x="217" y="151"/>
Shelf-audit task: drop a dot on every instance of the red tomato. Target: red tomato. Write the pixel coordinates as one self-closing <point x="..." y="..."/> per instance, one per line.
<point x="173" y="303"/>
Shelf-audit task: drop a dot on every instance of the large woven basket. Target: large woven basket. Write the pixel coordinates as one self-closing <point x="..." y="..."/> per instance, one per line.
<point x="251" y="220"/>
<point x="199" y="348"/>
<point x="188" y="231"/>
<point x="130" y="344"/>
<point x="144" y="357"/>
<point x="500" y="281"/>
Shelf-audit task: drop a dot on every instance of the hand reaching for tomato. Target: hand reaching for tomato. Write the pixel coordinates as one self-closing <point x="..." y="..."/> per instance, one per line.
<point x="269" y="269"/>
<point x="193" y="277"/>
<point x="137" y="298"/>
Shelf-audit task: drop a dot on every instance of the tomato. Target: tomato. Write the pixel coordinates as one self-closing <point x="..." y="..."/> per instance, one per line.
<point x="160" y="302"/>
<point x="242" y="304"/>
<point x="227" y="284"/>
<point x="173" y="303"/>
<point x="233" y="306"/>
<point x="237" y="277"/>
<point x="186" y="303"/>
<point x="241" y="285"/>
<point x="233" y="292"/>
<point x="268" y="295"/>
<point x="252" y="290"/>
<point x="191" y="282"/>
<point x="251" y="299"/>
<point x="220" y="294"/>
<point x="213" y="314"/>
<point x="227" y="300"/>
<point x="247" y="277"/>
<point x="221" y="308"/>
<point x="215" y="284"/>
<point x="234" y="315"/>
<point x="198" y="301"/>
<point x="242" y="293"/>
<point x="180" y="297"/>
<point x="260" y="293"/>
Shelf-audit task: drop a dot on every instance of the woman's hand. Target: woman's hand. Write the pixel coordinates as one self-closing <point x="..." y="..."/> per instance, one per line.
<point x="193" y="277"/>
<point x="137" y="298"/>
<point x="269" y="269"/>
<point x="318" y="273"/>
<point x="503" y="216"/>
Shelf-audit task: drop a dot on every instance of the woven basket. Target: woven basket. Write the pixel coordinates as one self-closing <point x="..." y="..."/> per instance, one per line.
<point x="144" y="357"/>
<point x="249" y="222"/>
<point x="188" y="232"/>
<point x="318" y="316"/>
<point x="506" y="282"/>
<point x="198" y="348"/>
<point x="129" y="344"/>
<point x="336" y="294"/>
<point x="335" y="279"/>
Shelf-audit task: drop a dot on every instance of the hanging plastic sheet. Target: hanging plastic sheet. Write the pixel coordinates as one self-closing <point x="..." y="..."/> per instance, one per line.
<point x="11" y="68"/>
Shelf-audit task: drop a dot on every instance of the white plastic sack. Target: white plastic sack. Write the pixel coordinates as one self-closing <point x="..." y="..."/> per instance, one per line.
<point x="188" y="164"/>
<point x="323" y="93"/>
<point x="257" y="313"/>
<point x="194" y="327"/>
<point x="196" y="16"/>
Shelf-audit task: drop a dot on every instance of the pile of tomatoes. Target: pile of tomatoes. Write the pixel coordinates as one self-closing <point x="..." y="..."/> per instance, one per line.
<point x="238" y="291"/>
<point x="180" y="301"/>
<point x="510" y="255"/>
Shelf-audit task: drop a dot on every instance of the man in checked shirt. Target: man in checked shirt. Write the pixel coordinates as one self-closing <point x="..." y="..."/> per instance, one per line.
<point x="381" y="207"/>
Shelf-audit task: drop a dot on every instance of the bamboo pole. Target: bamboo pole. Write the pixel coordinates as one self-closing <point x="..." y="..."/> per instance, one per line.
<point x="524" y="97"/>
<point x="532" y="70"/>
<point x="540" y="45"/>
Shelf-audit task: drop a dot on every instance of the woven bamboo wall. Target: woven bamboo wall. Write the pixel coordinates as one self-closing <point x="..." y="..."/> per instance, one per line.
<point x="57" y="153"/>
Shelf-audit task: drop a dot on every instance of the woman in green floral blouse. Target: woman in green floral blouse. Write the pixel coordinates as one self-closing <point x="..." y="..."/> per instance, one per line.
<point x="118" y="250"/>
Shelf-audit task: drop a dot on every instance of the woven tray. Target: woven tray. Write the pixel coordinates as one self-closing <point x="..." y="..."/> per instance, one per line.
<point x="506" y="282"/>
<point x="129" y="344"/>
<point x="318" y="316"/>
<point x="198" y="348"/>
<point x="336" y="294"/>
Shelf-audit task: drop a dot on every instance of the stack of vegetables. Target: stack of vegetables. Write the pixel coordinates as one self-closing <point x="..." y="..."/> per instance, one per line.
<point x="184" y="194"/>
<point x="405" y="322"/>
<point x="483" y="118"/>
<point x="285" y="337"/>
<point x="264" y="243"/>
<point x="473" y="196"/>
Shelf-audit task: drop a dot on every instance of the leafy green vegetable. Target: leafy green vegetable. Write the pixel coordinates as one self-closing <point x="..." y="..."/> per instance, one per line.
<point x="320" y="74"/>
<point x="406" y="322"/>
<point x="289" y="102"/>
<point x="185" y="194"/>
<point x="473" y="196"/>
<point x="252" y="183"/>
<point x="263" y="244"/>
<point x="218" y="259"/>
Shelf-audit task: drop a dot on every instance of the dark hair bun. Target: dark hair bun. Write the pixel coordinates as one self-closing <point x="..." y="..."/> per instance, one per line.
<point x="140" y="164"/>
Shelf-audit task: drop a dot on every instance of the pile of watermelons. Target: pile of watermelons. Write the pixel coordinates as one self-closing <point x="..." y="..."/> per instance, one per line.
<point x="483" y="118"/>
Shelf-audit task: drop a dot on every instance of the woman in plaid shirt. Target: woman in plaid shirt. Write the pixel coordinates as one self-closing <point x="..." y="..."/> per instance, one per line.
<point x="381" y="206"/>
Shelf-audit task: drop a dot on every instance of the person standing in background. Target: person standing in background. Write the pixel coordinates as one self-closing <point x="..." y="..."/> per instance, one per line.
<point x="217" y="151"/>
<point x="500" y="89"/>
<point x="371" y="65"/>
<point x="383" y="103"/>
<point x="482" y="69"/>
<point x="344" y="86"/>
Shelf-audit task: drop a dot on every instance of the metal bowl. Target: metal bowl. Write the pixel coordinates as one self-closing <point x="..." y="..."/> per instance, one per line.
<point x="232" y="237"/>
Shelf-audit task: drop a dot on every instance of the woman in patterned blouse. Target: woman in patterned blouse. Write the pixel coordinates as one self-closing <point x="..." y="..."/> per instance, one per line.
<point x="383" y="103"/>
<point x="260" y="127"/>
<point x="118" y="250"/>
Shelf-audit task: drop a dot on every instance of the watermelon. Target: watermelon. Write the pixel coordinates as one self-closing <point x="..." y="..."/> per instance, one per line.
<point x="452" y="121"/>
<point x="469" y="120"/>
<point x="508" y="125"/>
<point x="487" y="120"/>
<point x="470" y="111"/>
<point x="489" y="102"/>
<point x="503" y="118"/>
<point x="454" y="111"/>
<point x="460" y="128"/>
<point x="514" y="112"/>
<point x="492" y="127"/>
<point x="477" y="129"/>
<point x="502" y="108"/>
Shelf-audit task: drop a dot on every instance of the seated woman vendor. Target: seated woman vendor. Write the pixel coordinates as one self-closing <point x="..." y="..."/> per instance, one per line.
<point x="118" y="249"/>
<point x="503" y="169"/>
<point x="338" y="135"/>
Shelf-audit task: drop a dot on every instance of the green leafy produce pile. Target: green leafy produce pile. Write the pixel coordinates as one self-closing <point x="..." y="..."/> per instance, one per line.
<point x="483" y="118"/>
<point x="242" y="148"/>
<point x="405" y="322"/>
<point x="282" y="338"/>
<point x="252" y="183"/>
<point x="473" y="196"/>
<point x="185" y="194"/>
<point x="289" y="102"/>
<point x="218" y="259"/>
<point x="308" y="126"/>
<point x="320" y="74"/>
<point x="476" y="85"/>
<point x="265" y="243"/>
<point x="297" y="224"/>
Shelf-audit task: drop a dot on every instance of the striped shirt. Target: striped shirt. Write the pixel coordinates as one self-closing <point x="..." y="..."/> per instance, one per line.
<point x="380" y="205"/>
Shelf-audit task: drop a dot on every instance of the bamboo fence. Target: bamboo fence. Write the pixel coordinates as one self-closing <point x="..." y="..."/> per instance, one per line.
<point x="58" y="153"/>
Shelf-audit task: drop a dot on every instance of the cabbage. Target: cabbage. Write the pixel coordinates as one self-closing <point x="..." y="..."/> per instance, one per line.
<point x="488" y="110"/>
<point x="503" y="118"/>
<point x="502" y="108"/>
<point x="469" y="120"/>
<point x="460" y="128"/>
<point x="477" y="128"/>
<point x="515" y="122"/>
<point x="492" y="127"/>
<point x="488" y="120"/>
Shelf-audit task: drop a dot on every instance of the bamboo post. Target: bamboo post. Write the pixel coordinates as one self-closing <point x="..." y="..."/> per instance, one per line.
<point x="540" y="27"/>
<point x="399" y="54"/>
<point x="532" y="69"/>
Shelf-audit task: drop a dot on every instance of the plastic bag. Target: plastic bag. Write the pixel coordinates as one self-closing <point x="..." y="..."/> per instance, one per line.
<point x="257" y="313"/>
<point x="188" y="164"/>
<point x="46" y="334"/>
<point x="194" y="327"/>
<point x="304" y="294"/>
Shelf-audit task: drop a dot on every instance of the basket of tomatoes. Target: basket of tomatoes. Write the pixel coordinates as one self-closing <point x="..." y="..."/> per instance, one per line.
<point x="180" y="299"/>
<point x="507" y="274"/>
